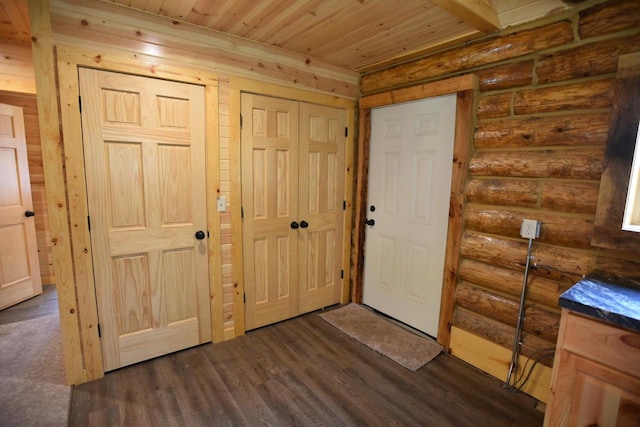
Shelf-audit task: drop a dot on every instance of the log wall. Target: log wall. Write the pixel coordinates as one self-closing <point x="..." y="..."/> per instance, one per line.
<point x="542" y="116"/>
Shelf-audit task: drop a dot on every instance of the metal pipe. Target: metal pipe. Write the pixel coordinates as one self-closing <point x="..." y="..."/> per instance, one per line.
<point x="517" y="343"/>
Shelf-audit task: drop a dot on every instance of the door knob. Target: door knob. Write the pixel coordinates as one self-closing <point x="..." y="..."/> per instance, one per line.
<point x="29" y="213"/>
<point x="294" y="225"/>
<point x="200" y="235"/>
<point x="304" y="224"/>
<point x="371" y="222"/>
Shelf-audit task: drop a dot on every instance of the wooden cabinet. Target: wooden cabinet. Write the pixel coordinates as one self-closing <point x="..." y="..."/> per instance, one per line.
<point x="596" y="375"/>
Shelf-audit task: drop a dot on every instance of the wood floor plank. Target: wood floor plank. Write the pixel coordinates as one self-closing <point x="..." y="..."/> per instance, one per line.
<point x="302" y="372"/>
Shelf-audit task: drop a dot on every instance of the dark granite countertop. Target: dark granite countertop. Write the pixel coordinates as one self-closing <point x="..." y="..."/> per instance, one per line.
<point x="611" y="298"/>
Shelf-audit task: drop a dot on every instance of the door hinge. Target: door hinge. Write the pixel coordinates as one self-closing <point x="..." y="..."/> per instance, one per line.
<point x="80" y="103"/>
<point x="344" y="205"/>
<point x="244" y="298"/>
<point x="242" y="212"/>
<point x="342" y="274"/>
<point x="346" y="132"/>
<point x="240" y="121"/>
<point x="89" y="222"/>
<point x="99" y="331"/>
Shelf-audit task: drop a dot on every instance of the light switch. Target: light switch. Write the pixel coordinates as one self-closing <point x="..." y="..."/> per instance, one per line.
<point x="222" y="204"/>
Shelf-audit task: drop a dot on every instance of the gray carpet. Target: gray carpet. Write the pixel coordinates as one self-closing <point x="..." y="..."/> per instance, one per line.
<point x="32" y="378"/>
<point x="398" y="344"/>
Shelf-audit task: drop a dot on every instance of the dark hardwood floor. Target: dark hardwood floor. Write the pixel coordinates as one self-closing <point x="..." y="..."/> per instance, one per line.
<point x="302" y="372"/>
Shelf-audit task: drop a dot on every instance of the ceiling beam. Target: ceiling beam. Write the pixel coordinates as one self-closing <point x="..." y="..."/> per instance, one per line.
<point x="477" y="13"/>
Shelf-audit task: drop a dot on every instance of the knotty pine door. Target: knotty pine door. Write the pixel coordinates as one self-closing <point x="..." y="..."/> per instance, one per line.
<point x="145" y="171"/>
<point x="292" y="186"/>
<point x="19" y="266"/>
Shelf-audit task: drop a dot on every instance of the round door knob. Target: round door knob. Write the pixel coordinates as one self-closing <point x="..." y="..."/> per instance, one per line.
<point x="200" y="235"/>
<point x="304" y="224"/>
<point x="29" y="213"/>
<point x="294" y="225"/>
<point x="371" y="222"/>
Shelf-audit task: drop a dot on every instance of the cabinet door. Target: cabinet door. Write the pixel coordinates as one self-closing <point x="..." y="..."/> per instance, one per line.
<point x="594" y="395"/>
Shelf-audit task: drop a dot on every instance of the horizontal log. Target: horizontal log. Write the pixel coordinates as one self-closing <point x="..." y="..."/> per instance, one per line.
<point x="504" y="192"/>
<point x="492" y="106"/>
<point x="538" y="321"/>
<point x="506" y="280"/>
<point x="556" y="229"/>
<point x="587" y="60"/>
<point x="506" y="76"/>
<point x="608" y="18"/>
<point x="616" y="238"/>
<point x="576" y="96"/>
<point x="465" y="58"/>
<point x="577" y="164"/>
<point x="577" y="197"/>
<point x="552" y="262"/>
<point x="501" y="334"/>
<point x="570" y="130"/>
<point x="624" y="265"/>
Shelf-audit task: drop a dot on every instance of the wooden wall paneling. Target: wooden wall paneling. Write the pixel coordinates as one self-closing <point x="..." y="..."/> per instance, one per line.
<point x="103" y="24"/>
<point x="16" y="67"/>
<point x="475" y="350"/>
<point x="464" y="87"/>
<point x="55" y="186"/>
<point x="78" y="212"/>
<point x="212" y="144"/>
<point x="237" y="85"/>
<point x="583" y="95"/>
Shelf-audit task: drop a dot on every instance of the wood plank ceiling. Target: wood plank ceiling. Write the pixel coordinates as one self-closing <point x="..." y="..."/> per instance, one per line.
<point x="359" y="35"/>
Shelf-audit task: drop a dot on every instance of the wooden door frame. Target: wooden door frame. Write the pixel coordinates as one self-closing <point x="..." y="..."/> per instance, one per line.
<point x="76" y="293"/>
<point x="237" y="86"/>
<point x="464" y="87"/>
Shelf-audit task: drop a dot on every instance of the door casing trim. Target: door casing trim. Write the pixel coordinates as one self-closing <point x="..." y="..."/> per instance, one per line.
<point x="464" y="87"/>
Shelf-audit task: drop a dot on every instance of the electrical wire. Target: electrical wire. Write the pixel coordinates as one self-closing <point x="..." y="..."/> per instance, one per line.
<point x="537" y="356"/>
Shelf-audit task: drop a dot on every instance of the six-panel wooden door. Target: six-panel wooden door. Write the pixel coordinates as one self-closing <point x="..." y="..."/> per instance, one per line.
<point x="292" y="186"/>
<point x="145" y="172"/>
<point x="19" y="267"/>
<point x="410" y="167"/>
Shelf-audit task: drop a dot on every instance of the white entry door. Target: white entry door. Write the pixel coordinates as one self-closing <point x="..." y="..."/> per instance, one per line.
<point x="410" y="168"/>
<point x="19" y="267"/>
<point x="144" y="151"/>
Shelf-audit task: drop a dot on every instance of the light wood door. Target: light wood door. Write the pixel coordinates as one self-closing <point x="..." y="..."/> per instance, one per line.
<point x="411" y="152"/>
<point x="19" y="267"/>
<point x="270" y="205"/>
<point x="322" y="143"/>
<point x="292" y="186"/>
<point x="145" y="169"/>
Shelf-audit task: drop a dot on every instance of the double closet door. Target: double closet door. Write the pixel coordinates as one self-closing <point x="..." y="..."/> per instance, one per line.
<point x="292" y="200"/>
